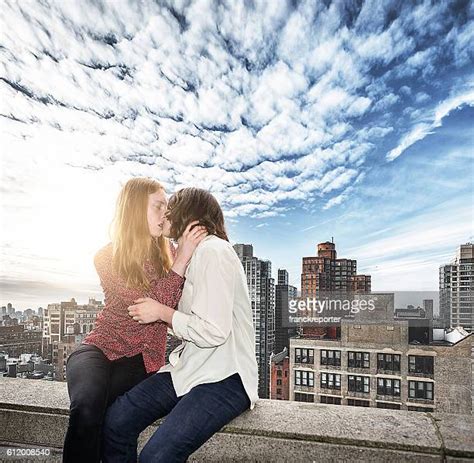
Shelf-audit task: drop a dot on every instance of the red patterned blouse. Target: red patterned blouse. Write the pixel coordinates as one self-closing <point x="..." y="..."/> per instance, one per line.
<point x="115" y="332"/>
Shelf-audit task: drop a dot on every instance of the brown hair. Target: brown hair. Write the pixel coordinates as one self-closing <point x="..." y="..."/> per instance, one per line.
<point x="189" y="204"/>
<point x="131" y="239"/>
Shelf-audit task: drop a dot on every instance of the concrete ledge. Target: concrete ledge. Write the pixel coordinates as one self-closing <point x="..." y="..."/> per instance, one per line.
<point x="35" y="413"/>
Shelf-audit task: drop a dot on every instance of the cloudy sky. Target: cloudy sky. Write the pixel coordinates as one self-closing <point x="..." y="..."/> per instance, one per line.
<point x="308" y="121"/>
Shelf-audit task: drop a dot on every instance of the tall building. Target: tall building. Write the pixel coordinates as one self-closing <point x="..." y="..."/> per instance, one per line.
<point x="325" y="272"/>
<point x="456" y="289"/>
<point x="261" y="288"/>
<point x="244" y="251"/>
<point x="375" y="364"/>
<point x="283" y="292"/>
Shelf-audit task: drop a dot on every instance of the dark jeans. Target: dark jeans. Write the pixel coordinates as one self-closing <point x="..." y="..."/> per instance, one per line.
<point x="192" y="419"/>
<point x="94" y="382"/>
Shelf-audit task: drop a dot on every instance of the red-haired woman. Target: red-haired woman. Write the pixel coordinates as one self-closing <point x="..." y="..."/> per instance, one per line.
<point x="119" y="352"/>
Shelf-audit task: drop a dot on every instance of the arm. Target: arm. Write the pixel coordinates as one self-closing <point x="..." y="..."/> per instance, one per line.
<point x="210" y="321"/>
<point x="166" y="290"/>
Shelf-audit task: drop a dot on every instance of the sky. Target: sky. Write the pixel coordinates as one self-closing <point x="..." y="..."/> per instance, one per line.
<point x="309" y="121"/>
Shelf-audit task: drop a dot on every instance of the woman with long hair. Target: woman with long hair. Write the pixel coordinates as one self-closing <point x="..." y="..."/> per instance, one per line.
<point x="212" y="377"/>
<point x="121" y="352"/>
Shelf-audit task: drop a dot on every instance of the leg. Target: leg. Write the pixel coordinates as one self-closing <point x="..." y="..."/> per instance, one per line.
<point x="126" y="372"/>
<point x="93" y="383"/>
<point x="132" y="412"/>
<point x="87" y="372"/>
<point x="198" y="415"/>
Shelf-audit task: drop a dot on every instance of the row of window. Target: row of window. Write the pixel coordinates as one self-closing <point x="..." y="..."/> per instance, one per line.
<point x="355" y="383"/>
<point x="326" y="399"/>
<point x="386" y="362"/>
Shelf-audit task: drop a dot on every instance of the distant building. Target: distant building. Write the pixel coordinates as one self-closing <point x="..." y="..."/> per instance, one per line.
<point x="261" y="288"/>
<point x="65" y="319"/>
<point x="410" y="312"/>
<point x="16" y="340"/>
<point x="280" y="376"/>
<point x="28" y="366"/>
<point x="10" y="309"/>
<point x="456" y="289"/>
<point x="375" y="365"/>
<point x="325" y="272"/>
<point x="243" y="251"/>
<point x="283" y="292"/>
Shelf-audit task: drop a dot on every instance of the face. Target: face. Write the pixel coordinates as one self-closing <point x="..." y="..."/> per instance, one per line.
<point x="157" y="205"/>
<point x="166" y="227"/>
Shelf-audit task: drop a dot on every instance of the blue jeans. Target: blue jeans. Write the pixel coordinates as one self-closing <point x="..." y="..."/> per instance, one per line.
<point x="191" y="419"/>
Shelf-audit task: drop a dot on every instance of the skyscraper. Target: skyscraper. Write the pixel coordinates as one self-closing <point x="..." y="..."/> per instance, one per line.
<point x="283" y="292"/>
<point x="261" y="287"/>
<point x="326" y="273"/>
<point x="456" y="289"/>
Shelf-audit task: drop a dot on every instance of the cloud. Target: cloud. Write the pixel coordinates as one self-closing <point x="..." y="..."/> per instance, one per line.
<point x="270" y="105"/>
<point x="432" y="120"/>
<point x="190" y="94"/>
<point x="402" y="257"/>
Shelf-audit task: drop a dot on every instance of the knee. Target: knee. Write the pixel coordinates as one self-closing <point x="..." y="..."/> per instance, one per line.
<point x="85" y="415"/>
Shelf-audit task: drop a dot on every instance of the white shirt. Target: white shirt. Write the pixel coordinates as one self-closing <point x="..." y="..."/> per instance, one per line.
<point x="214" y="320"/>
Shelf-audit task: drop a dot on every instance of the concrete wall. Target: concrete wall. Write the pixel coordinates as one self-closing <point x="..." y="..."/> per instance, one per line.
<point x="35" y="413"/>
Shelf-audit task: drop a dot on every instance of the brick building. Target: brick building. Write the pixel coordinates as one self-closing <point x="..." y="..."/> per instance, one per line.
<point x="280" y="376"/>
<point x="374" y="365"/>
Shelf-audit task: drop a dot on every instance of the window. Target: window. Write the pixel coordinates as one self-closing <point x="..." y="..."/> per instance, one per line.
<point x="358" y="403"/>
<point x="331" y="381"/>
<point x="299" y="397"/>
<point x="278" y="382"/>
<point x="388" y="405"/>
<point x="420" y="364"/>
<point x="327" y="399"/>
<point x="358" y="359"/>
<point x="304" y="378"/>
<point x="331" y="357"/>
<point x="388" y="362"/>
<point x="420" y="390"/>
<point x="420" y="409"/>
<point x="359" y="383"/>
<point x="278" y="372"/>
<point x="304" y="355"/>
<point x="388" y="386"/>
<point x="278" y="391"/>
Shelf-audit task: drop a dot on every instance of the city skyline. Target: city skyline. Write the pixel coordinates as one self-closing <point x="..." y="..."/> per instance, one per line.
<point x="313" y="121"/>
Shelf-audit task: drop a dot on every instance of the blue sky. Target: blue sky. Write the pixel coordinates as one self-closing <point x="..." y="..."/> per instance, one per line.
<point x="307" y="120"/>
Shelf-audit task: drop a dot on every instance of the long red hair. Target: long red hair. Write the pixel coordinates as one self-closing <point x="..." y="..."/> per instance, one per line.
<point x="132" y="242"/>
